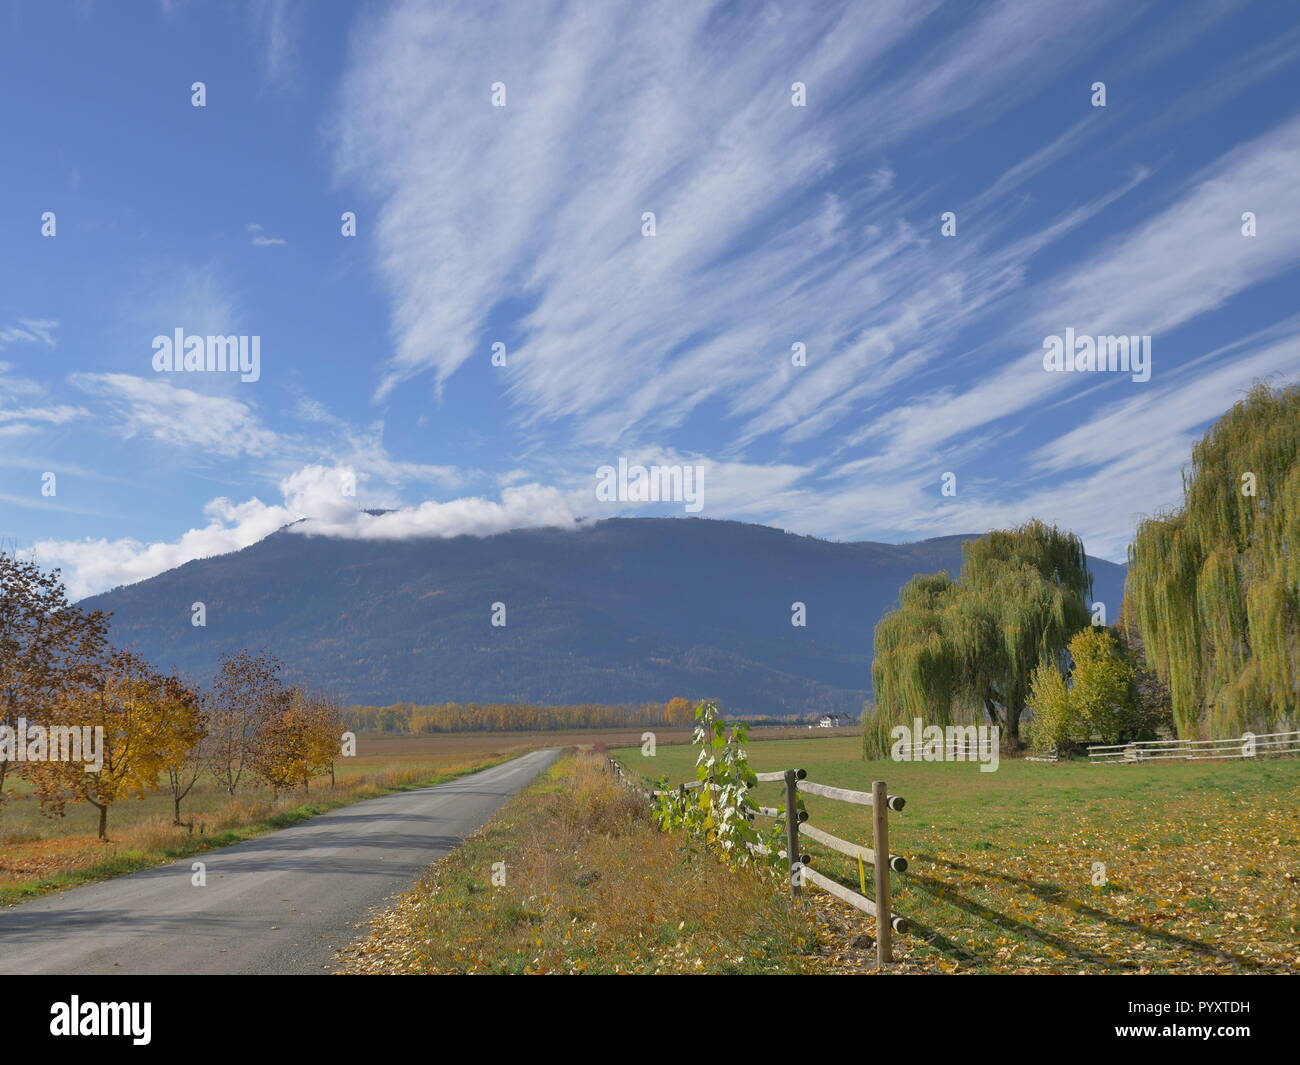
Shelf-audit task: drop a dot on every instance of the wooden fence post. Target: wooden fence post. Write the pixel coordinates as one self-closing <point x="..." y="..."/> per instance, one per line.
<point x="792" y="830"/>
<point x="880" y="843"/>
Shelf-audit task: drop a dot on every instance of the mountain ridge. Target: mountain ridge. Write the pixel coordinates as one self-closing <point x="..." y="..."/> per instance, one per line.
<point x="619" y="610"/>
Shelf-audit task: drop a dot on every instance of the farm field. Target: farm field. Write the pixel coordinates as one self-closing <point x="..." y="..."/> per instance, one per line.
<point x="395" y="750"/>
<point x="1202" y="861"/>
<point x="39" y="853"/>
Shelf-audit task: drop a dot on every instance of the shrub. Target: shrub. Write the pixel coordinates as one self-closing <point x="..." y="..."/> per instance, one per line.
<point x="1098" y="700"/>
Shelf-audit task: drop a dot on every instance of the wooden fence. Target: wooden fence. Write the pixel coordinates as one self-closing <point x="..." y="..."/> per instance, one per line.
<point x="1247" y="746"/>
<point x="801" y="873"/>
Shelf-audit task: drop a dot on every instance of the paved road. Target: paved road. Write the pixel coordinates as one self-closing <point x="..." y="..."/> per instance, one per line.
<point x="281" y="903"/>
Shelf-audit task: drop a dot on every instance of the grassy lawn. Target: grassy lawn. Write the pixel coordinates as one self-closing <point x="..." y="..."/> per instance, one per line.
<point x="591" y="886"/>
<point x="1202" y="860"/>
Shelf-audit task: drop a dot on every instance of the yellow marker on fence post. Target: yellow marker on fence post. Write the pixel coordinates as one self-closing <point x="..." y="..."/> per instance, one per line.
<point x="862" y="875"/>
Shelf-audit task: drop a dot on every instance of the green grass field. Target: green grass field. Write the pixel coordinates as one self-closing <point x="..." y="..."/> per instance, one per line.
<point x="1202" y="860"/>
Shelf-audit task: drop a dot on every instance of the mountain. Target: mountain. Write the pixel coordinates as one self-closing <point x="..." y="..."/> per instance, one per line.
<point x="617" y="611"/>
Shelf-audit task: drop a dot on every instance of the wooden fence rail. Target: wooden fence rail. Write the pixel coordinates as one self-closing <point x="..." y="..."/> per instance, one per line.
<point x="862" y="798"/>
<point x="801" y="873"/>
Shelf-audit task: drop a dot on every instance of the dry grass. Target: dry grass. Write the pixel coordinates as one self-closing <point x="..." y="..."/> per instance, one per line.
<point x="591" y="886"/>
<point x="40" y="854"/>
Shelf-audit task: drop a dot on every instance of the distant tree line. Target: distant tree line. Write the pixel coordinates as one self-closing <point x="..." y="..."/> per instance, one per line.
<point x="61" y="680"/>
<point x="410" y="719"/>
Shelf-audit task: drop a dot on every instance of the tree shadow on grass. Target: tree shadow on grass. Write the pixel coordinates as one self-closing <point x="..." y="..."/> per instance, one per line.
<point x="1058" y="896"/>
<point x="936" y="940"/>
<point x="945" y="892"/>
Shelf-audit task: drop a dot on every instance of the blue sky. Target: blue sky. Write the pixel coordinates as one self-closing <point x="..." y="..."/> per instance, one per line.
<point x="522" y="224"/>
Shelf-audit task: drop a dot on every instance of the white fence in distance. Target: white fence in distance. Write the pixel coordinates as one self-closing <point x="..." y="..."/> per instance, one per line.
<point x="1249" y="745"/>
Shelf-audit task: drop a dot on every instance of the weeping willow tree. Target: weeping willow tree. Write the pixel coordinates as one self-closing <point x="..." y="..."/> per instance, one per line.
<point x="1215" y="585"/>
<point x="959" y="652"/>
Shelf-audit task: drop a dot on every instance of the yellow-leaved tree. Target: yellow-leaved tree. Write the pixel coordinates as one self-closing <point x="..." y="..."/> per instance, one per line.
<point x="325" y="734"/>
<point x="299" y="742"/>
<point x="148" y="723"/>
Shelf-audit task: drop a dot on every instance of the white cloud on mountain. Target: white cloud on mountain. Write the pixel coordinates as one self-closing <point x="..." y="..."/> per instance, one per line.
<point x="316" y="493"/>
<point x="334" y="501"/>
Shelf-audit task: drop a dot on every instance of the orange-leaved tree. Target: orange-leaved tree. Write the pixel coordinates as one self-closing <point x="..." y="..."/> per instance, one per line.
<point x="46" y="646"/>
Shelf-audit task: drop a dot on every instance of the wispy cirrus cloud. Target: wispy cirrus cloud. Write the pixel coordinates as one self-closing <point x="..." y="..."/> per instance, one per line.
<point x="277" y="27"/>
<point x="1187" y="260"/>
<point x="778" y="224"/>
<point x="17" y="420"/>
<point x="29" y="331"/>
<point x="259" y="239"/>
<point x="736" y="177"/>
<point x="170" y="414"/>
